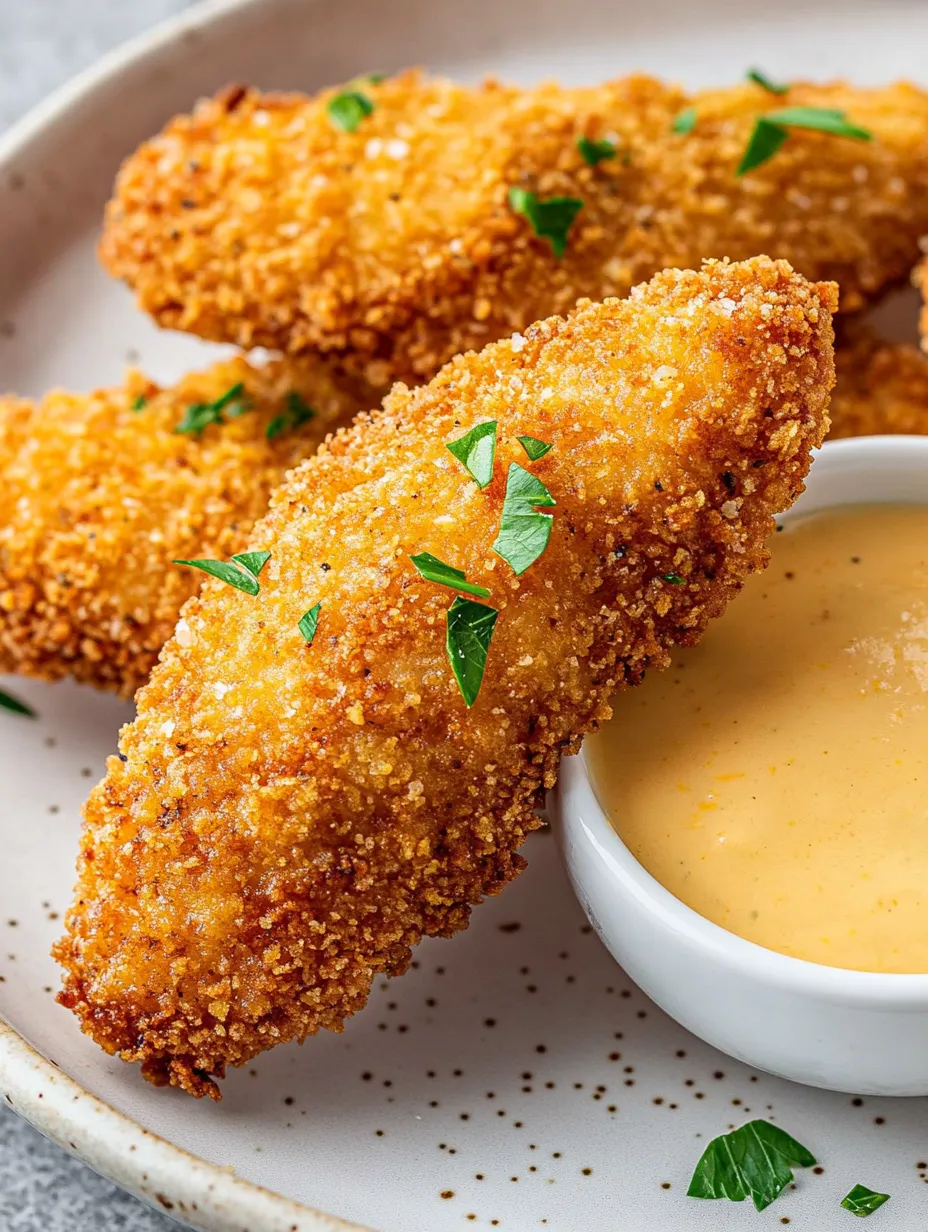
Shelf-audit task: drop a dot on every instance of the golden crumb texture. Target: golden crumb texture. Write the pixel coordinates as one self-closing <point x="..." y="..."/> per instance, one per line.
<point x="254" y="220"/>
<point x="100" y="493"/>
<point x="286" y="820"/>
<point x="882" y="388"/>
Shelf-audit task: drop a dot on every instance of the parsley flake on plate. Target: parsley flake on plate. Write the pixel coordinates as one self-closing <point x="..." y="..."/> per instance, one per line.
<point x="242" y="572"/>
<point x="534" y="447"/>
<point x="347" y="109"/>
<point x="476" y="451"/>
<point x="523" y="532"/>
<point x="470" y="630"/>
<point x="199" y="415"/>
<point x="550" y="218"/>
<point x="15" y="706"/>
<point x="594" y="151"/>
<point x="862" y="1201"/>
<point x="296" y="413"/>
<point x="755" y="1161"/>
<point x="772" y="130"/>
<point x="674" y="579"/>
<point x="309" y="622"/>
<point x="685" y="122"/>
<point x="435" y="570"/>
<point x="762" y="80"/>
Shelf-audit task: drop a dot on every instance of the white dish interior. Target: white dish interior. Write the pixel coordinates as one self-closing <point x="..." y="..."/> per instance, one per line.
<point x="843" y="1030"/>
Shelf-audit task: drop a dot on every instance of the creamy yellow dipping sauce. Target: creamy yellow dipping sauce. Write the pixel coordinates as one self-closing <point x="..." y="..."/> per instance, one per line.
<point x="775" y="778"/>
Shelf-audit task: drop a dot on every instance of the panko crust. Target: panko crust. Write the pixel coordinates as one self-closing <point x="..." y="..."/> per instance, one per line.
<point x="255" y="221"/>
<point x="920" y="279"/>
<point x="881" y="388"/>
<point x="98" y="498"/>
<point x="284" y="820"/>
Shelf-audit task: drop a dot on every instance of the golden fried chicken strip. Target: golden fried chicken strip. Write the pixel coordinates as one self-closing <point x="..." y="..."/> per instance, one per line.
<point x="287" y="819"/>
<point x="920" y="279"/>
<point x="100" y="493"/>
<point x="882" y="387"/>
<point x="255" y="220"/>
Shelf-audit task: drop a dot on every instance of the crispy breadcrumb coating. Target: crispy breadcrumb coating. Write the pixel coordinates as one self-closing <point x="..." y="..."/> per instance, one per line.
<point x="255" y="221"/>
<point x="882" y="387"/>
<point x="288" y="819"/>
<point x="920" y="279"/>
<point x="98" y="498"/>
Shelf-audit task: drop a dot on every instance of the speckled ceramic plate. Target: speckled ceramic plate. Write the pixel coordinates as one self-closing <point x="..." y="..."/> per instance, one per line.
<point x="514" y="1078"/>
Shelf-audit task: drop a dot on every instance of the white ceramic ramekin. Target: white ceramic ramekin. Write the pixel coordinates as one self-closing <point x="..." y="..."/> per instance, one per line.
<point x="842" y="1030"/>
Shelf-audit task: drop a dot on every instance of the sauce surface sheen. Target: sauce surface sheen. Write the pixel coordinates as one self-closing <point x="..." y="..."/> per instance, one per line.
<point x="773" y="777"/>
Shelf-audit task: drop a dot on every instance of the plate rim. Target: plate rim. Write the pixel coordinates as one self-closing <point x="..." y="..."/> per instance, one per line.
<point x="165" y="1176"/>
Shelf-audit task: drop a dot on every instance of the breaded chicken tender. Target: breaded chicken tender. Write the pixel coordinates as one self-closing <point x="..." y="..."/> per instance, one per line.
<point x="882" y="387"/>
<point x="256" y="220"/>
<point x="920" y="279"/>
<point x="100" y="493"/>
<point x="288" y="817"/>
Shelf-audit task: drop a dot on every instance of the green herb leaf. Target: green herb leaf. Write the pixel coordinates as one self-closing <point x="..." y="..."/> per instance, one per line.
<point x="435" y="570"/>
<point x="770" y="131"/>
<point x="470" y="630"/>
<point x="760" y="79"/>
<point x="476" y="449"/>
<point x="862" y="1201"/>
<point x="534" y="447"/>
<point x="296" y="413"/>
<point x="348" y="109"/>
<point x="523" y="533"/>
<point x="139" y="403"/>
<point x="674" y="579"/>
<point x="550" y="219"/>
<point x="309" y="622"/>
<point x="765" y="140"/>
<point x="242" y="572"/>
<point x="685" y="122"/>
<point x="755" y="1161"/>
<point x="374" y="78"/>
<point x="14" y="705"/>
<point x="198" y="415"/>
<point x="252" y="562"/>
<point x="595" y="151"/>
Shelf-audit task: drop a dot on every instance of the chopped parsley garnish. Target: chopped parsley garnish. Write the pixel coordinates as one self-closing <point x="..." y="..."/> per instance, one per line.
<point x="230" y="405"/>
<point x="296" y="413"/>
<point x="476" y="449"/>
<point x="674" y="579"/>
<point x="435" y="570"/>
<point x="550" y="219"/>
<point x="309" y="622"/>
<point x="534" y="447"/>
<point x="762" y="80"/>
<point x="470" y="629"/>
<point x="594" y="151"/>
<point x="348" y="109"/>
<point x="772" y="130"/>
<point x="242" y="572"/>
<point x="139" y="403"/>
<point x="523" y="532"/>
<point x="754" y="1161"/>
<point x="862" y="1201"/>
<point x="685" y="122"/>
<point x="15" y="706"/>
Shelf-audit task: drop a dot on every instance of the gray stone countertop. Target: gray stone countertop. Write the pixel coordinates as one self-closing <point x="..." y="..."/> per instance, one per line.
<point x="42" y="43"/>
